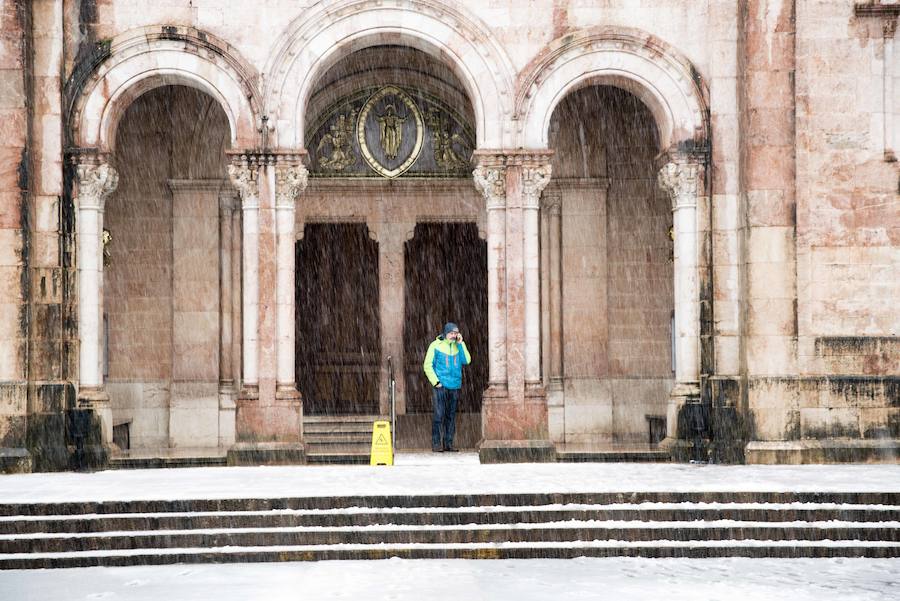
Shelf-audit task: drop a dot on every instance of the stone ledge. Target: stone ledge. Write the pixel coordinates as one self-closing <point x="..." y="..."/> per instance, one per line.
<point x="517" y="451"/>
<point x="829" y="450"/>
<point x="267" y="453"/>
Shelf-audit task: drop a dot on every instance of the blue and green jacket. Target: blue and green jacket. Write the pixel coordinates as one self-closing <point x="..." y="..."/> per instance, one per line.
<point x="444" y="362"/>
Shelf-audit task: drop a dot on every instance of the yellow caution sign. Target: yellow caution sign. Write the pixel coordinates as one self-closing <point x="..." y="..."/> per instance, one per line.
<point x="382" y="449"/>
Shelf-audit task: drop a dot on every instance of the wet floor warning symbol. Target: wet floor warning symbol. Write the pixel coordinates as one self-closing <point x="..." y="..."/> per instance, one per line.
<point x="382" y="449"/>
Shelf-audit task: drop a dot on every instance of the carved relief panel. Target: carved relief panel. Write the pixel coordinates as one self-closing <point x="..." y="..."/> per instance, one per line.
<point x="390" y="132"/>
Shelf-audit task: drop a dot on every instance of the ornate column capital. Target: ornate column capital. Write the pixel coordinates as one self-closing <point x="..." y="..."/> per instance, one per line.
<point x="97" y="179"/>
<point x="243" y="172"/>
<point x="682" y="181"/>
<point x="534" y="179"/>
<point x="290" y="182"/>
<point x="491" y="182"/>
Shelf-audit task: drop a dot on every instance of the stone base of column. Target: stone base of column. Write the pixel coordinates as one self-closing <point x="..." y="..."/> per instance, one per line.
<point x="684" y="439"/>
<point x="267" y="453"/>
<point x="268" y="431"/>
<point x="515" y="432"/>
<point x="517" y="451"/>
<point x="90" y="430"/>
<point x="828" y="450"/>
<point x="227" y="407"/>
<point x="556" y="410"/>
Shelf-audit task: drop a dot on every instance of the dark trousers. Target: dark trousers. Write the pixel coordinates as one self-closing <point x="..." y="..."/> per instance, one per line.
<point x="443" y="424"/>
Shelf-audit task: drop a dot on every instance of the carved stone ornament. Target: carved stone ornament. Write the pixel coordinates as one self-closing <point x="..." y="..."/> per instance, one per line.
<point x="243" y="177"/>
<point x="534" y="180"/>
<point x="681" y="181"/>
<point x="96" y="181"/>
<point x="390" y="131"/>
<point x="290" y="181"/>
<point x="491" y="182"/>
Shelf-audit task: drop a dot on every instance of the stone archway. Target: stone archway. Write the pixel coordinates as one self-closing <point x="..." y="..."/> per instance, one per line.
<point x="328" y="31"/>
<point x="673" y="91"/>
<point x="133" y="64"/>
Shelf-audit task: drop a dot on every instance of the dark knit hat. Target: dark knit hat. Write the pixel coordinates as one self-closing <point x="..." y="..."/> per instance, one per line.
<point x="450" y="327"/>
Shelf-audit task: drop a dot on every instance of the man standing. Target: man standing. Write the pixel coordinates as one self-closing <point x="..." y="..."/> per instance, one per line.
<point x="443" y="366"/>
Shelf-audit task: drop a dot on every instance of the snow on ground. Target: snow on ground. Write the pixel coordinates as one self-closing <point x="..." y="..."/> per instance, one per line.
<point x="442" y="474"/>
<point x="633" y="579"/>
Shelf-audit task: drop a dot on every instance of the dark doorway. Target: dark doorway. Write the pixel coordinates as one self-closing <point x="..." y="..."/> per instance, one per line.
<point x="338" y="330"/>
<point x="446" y="280"/>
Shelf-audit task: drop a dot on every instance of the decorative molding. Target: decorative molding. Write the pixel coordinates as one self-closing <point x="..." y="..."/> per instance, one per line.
<point x="534" y="180"/>
<point x="875" y="8"/>
<point x="243" y="175"/>
<point x="137" y="51"/>
<point x="491" y="182"/>
<point x="604" y="39"/>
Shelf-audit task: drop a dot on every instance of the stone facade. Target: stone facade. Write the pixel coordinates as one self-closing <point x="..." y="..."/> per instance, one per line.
<point x="691" y="212"/>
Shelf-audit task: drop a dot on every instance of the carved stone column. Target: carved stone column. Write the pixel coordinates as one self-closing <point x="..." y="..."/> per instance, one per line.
<point x="291" y="178"/>
<point x="490" y="179"/>
<point x="96" y="180"/>
<point x="534" y="179"/>
<point x="244" y="175"/>
<point x="682" y="179"/>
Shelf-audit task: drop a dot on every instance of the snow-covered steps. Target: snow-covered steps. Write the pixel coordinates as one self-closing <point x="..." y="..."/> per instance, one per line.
<point x="657" y="524"/>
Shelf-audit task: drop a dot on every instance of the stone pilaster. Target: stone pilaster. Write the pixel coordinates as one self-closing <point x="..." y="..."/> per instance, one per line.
<point x="269" y="413"/>
<point x="229" y="204"/>
<point x="514" y="408"/>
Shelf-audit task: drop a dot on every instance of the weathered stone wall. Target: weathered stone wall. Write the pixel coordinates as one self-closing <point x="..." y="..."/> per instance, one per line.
<point x="848" y="223"/>
<point x="14" y="188"/>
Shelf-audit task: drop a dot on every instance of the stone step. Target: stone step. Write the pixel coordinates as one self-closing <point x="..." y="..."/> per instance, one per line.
<point x="654" y="524"/>
<point x="342" y="419"/>
<point x="509" y="550"/>
<point x="432" y="517"/>
<point x="635" y="500"/>
<point x="535" y="533"/>
<point x="338" y="439"/>
<point x="337" y="458"/>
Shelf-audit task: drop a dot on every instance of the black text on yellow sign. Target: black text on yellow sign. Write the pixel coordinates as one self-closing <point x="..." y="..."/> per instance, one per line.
<point x="382" y="449"/>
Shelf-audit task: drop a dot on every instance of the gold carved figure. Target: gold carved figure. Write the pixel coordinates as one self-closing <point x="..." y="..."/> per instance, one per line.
<point x="391" y="131"/>
<point x="340" y="138"/>
<point x="444" y="155"/>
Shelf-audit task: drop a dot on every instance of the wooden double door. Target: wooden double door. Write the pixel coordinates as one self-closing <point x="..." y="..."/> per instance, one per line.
<point x="338" y="344"/>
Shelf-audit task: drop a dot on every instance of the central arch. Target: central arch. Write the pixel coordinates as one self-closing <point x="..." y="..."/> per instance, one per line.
<point x="329" y="31"/>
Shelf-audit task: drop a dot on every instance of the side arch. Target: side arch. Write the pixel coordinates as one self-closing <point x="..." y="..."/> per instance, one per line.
<point x="330" y="30"/>
<point x="626" y="58"/>
<point x="143" y="59"/>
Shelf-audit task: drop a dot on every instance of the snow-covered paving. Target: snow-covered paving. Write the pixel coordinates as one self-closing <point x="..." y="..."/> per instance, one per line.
<point x="732" y="579"/>
<point x="424" y="474"/>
